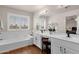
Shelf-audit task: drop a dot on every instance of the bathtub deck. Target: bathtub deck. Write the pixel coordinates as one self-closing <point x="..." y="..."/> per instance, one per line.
<point x="32" y="49"/>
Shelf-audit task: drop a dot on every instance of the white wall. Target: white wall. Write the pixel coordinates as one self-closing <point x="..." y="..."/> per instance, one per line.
<point x="61" y="19"/>
<point x="3" y="17"/>
<point x="5" y="10"/>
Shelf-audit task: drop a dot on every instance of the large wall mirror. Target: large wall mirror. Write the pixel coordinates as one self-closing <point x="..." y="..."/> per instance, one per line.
<point x="1" y="24"/>
<point x="71" y="24"/>
<point x="41" y="23"/>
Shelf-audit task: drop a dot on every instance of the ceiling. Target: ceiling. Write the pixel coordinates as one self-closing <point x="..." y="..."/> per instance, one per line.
<point x="29" y="8"/>
<point x="35" y="8"/>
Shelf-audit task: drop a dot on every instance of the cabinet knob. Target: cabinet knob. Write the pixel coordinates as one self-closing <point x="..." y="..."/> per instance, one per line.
<point x="64" y="50"/>
<point x="35" y="38"/>
<point x="60" y="48"/>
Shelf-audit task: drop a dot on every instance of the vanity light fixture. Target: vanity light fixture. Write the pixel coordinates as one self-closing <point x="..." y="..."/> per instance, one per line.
<point x="77" y="19"/>
<point x="44" y="12"/>
<point x="63" y="6"/>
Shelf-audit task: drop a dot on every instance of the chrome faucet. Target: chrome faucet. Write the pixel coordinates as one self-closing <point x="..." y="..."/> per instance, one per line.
<point x="68" y="33"/>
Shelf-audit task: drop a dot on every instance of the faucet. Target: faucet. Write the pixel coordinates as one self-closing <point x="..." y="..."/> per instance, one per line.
<point x="68" y="33"/>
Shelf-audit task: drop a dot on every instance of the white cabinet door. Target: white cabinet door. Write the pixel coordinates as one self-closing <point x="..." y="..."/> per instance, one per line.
<point x="55" y="46"/>
<point x="69" y="47"/>
<point x="55" y="50"/>
<point x="37" y="41"/>
<point x="70" y="51"/>
<point x="61" y="47"/>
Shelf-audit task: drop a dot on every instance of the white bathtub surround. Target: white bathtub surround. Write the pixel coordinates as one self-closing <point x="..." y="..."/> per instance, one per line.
<point x="11" y="44"/>
<point x="14" y="40"/>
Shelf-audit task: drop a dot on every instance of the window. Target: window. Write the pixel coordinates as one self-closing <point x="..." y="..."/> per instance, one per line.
<point x="18" y="22"/>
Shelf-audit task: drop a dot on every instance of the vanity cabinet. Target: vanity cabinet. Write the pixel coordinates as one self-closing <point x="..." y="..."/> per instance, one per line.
<point x="59" y="46"/>
<point x="56" y="48"/>
<point x="37" y="40"/>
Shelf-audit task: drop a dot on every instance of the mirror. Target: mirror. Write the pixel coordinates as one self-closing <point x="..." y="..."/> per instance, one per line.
<point x="71" y="24"/>
<point x="41" y="23"/>
<point x="77" y="20"/>
<point x="1" y="25"/>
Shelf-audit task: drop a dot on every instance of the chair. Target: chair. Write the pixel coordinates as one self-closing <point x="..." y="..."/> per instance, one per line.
<point x="46" y="45"/>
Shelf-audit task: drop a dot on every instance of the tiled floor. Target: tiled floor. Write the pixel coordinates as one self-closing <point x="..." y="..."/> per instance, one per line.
<point x="26" y="50"/>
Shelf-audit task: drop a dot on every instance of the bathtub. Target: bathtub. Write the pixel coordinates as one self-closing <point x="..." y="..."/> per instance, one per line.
<point x="13" y="43"/>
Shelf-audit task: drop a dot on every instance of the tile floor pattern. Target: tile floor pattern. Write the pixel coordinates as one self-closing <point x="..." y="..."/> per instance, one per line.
<point x="26" y="50"/>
